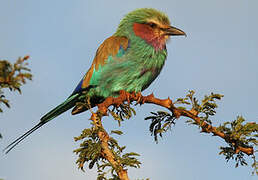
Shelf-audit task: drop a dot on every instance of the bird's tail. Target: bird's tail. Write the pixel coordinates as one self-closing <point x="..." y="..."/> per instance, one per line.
<point x="66" y="105"/>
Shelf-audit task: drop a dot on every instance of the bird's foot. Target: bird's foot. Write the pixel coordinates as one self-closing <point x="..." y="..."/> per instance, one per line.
<point x="140" y="98"/>
<point x="125" y="95"/>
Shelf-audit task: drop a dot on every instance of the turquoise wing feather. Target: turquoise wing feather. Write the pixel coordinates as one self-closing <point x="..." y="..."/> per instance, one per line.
<point x="111" y="50"/>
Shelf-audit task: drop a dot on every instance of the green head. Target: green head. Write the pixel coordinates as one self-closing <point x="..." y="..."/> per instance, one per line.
<point x="148" y="24"/>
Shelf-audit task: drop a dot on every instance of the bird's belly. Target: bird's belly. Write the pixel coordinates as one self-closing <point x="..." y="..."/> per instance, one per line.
<point x="129" y="81"/>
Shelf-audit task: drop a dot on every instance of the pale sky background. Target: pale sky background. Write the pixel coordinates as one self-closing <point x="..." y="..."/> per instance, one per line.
<point x="218" y="55"/>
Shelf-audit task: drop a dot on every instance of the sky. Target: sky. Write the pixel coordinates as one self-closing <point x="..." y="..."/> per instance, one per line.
<point x="218" y="55"/>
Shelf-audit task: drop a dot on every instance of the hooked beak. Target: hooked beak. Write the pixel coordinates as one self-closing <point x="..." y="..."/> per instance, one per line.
<point x="173" y="31"/>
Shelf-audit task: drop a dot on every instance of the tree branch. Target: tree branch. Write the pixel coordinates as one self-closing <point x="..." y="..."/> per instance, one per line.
<point x="106" y="151"/>
<point x="177" y="112"/>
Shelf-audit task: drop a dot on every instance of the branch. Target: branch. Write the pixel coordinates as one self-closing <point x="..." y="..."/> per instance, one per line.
<point x="177" y="112"/>
<point x="105" y="150"/>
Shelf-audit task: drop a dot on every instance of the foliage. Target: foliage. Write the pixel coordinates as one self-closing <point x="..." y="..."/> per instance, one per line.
<point x="237" y="133"/>
<point x="161" y="121"/>
<point x="12" y="77"/>
<point x="205" y="109"/>
<point x="124" y="111"/>
<point x="91" y="151"/>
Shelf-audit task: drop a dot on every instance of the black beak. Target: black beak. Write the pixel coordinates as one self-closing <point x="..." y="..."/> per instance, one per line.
<point x="173" y="31"/>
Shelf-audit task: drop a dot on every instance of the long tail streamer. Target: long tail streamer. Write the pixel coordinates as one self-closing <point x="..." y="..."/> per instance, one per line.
<point x="18" y="140"/>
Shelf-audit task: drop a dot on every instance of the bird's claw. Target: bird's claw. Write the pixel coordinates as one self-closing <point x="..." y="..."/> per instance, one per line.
<point x="125" y="95"/>
<point x="140" y="98"/>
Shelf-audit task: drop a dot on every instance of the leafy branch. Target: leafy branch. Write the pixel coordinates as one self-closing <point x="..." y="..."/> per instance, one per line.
<point x="13" y="76"/>
<point x="101" y="149"/>
<point x="240" y="137"/>
<point x="161" y="122"/>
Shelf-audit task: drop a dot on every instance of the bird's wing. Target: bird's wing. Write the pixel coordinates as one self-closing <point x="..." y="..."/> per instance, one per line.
<point x="114" y="46"/>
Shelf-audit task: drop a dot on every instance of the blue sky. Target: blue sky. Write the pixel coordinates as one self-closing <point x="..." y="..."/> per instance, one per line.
<point x="218" y="55"/>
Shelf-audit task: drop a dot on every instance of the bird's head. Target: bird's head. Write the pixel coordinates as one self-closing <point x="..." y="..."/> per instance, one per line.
<point x="150" y="25"/>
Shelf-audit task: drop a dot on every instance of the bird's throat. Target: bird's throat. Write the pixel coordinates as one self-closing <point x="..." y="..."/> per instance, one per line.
<point x="146" y="33"/>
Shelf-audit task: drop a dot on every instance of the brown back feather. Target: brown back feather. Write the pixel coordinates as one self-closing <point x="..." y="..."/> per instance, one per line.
<point x="109" y="47"/>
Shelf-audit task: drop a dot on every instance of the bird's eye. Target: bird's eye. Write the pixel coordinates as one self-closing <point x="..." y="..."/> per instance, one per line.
<point x="153" y="25"/>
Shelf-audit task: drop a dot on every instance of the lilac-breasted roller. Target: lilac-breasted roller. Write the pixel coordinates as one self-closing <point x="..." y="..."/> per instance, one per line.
<point x="129" y="60"/>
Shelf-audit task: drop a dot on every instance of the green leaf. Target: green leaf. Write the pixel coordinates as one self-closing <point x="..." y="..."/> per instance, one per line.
<point x="116" y="132"/>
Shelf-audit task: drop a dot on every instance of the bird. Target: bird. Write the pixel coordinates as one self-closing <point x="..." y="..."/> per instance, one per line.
<point x="129" y="60"/>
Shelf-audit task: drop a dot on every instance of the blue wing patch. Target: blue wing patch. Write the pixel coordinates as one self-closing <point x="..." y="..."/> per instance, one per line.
<point x="78" y="87"/>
